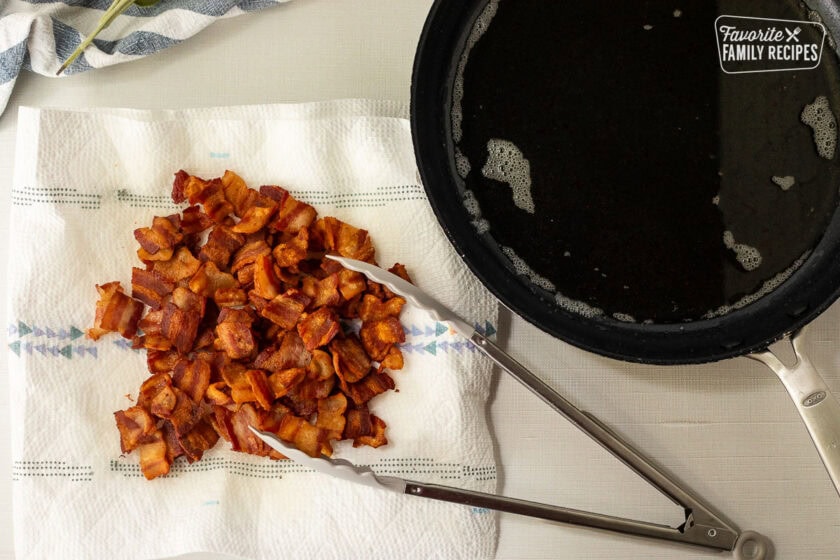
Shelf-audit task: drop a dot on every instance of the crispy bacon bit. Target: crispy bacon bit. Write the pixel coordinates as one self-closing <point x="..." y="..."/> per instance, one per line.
<point x="318" y="328"/>
<point x="266" y="283"/>
<point x="235" y="339"/>
<point x="208" y="279"/>
<point x="358" y="423"/>
<point x="135" y="425"/>
<point x="351" y="283"/>
<point x="374" y="309"/>
<point x="193" y="220"/>
<point x="198" y="440"/>
<point x="192" y="377"/>
<point x="164" y="234"/>
<point x="331" y="415"/>
<point x="374" y="384"/>
<point x="244" y="327"/>
<point x="324" y="292"/>
<point x="284" y="380"/>
<point x="263" y="391"/>
<point x="379" y="336"/>
<point x="153" y="457"/>
<point x="377" y="438"/>
<point x="150" y="287"/>
<point x="115" y="312"/>
<point x="182" y="265"/>
<point x="221" y="244"/>
<point x="292" y="215"/>
<point x="180" y="327"/>
<point x="178" y="184"/>
<point x="346" y="240"/>
<point x="350" y="360"/>
<point x="285" y="310"/>
<point x="255" y="218"/>
<point x="211" y="195"/>
<point x="291" y="252"/>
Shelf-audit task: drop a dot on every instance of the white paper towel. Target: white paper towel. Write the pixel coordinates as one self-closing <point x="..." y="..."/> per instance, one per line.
<point x="84" y="180"/>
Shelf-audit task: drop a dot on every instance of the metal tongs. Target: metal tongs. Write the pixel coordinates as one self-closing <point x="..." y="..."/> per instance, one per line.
<point x="702" y="526"/>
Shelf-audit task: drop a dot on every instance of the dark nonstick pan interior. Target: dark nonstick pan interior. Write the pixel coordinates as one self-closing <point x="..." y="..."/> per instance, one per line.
<point x="643" y="153"/>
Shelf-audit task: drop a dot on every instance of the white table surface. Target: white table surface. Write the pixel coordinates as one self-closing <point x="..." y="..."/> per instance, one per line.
<point x="727" y="430"/>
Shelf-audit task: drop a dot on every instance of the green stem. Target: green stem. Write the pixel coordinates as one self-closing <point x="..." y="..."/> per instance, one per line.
<point x="116" y="8"/>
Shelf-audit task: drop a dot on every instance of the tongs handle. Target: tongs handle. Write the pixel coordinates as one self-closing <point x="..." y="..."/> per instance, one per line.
<point x="608" y="439"/>
<point x="695" y="535"/>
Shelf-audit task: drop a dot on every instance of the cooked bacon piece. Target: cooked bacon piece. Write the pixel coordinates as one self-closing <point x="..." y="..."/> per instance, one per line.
<point x="393" y="360"/>
<point x="320" y="367"/>
<point x="306" y="437"/>
<point x="178" y="185"/>
<point x="180" y="327"/>
<point x="150" y="287"/>
<point x="193" y="220"/>
<point x="346" y="240"/>
<point x="153" y="457"/>
<point x="350" y="360"/>
<point x="233" y="315"/>
<point x="230" y="297"/>
<point x="283" y="381"/>
<point x="186" y="300"/>
<point x="285" y="310"/>
<point x="318" y="328"/>
<point x="358" y="423"/>
<point x="248" y="254"/>
<point x="150" y="258"/>
<point x="219" y="394"/>
<point x="163" y="403"/>
<point x="235" y="339"/>
<point x="374" y="309"/>
<point x="380" y="335"/>
<point x="256" y="217"/>
<point x="377" y="438"/>
<point x="208" y="279"/>
<point x="400" y="270"/>
<point x="292" y="214"/>
<point x="182" y="265"/>
<point x="164" y="234"/>
<point x="222" y="243"/>
<point x="266" y="282"/>
<point x="289" y="353"/>
<point x="115" y="312"/>
<point x="331" y="415"/>
<point x="242" y="438"/>
<point x="170" y="438"/>
<point x="211" y="195"/>
<point x="291" y="252"/>
<point x="135" y="425"/>
<point x="198" y="440"/>
<point x="185" y="414"/>
<point x="162" y="361"/>
<point x="192" y="377"/>
<point x="374" y="384"/>
<point x="351" y="283"/>
<point x="153" y="385"/>
<point x="237" y="192"/>
<point x="260" y="387"/>
<point x="324" y="292"/>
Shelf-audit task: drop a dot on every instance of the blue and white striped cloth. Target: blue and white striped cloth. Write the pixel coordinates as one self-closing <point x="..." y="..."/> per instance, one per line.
<point x="38" y="35"/>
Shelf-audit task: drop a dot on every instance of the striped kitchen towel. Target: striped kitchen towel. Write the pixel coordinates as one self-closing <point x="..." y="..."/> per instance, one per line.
<point x="39" y="35"/>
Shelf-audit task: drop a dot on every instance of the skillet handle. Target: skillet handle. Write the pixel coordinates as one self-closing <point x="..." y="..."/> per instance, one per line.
<point x="814" y="401"/>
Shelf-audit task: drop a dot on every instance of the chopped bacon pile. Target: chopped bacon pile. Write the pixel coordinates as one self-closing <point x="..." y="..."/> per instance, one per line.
<point x="245" y="323"/>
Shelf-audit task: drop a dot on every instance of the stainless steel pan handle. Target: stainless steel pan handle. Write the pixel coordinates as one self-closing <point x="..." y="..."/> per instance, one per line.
<point x="814" y="401"/>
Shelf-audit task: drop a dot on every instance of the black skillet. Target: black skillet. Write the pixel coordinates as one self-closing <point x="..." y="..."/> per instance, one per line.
<point x="546" y="113"/>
